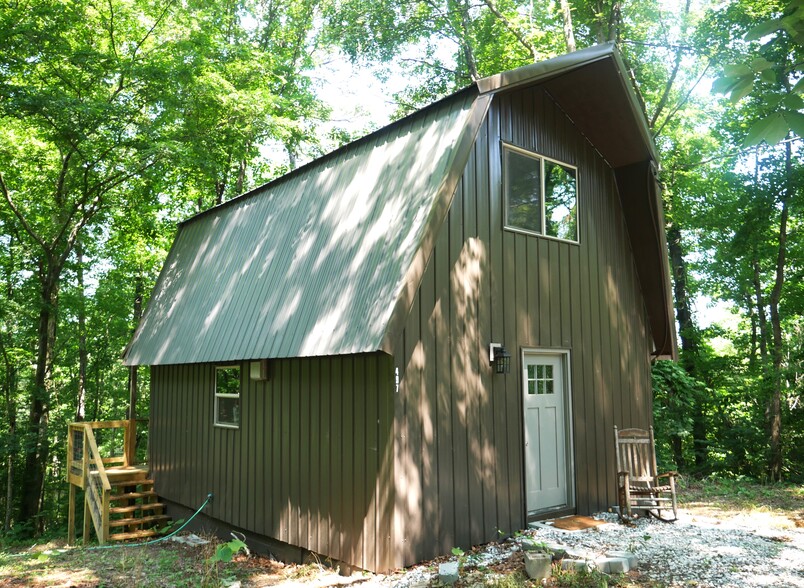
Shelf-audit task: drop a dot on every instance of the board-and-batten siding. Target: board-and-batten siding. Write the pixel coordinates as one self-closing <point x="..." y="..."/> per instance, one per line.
<point x="310" y="465"/>
<point x="459" y="455"/>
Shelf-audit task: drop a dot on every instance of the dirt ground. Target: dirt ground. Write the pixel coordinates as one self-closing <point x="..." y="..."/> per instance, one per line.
<point x="168" y="564"/>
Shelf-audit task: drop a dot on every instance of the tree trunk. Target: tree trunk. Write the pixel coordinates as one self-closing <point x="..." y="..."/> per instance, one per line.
<point x="569" y="35"/>
<point x="465" y="41"/>
<point x="133" y="374"/>
<point x="775" y="404"/>
<point x="80" y="404"/>
<point x="607" y="21"/>
<point x="614" y="22"/>
<point x="37" y="448"/>
<point x="10" y="385"/>
<point x="762" y="319"/>
<point x="684" y="318"/>
<point x="689" y="336"/>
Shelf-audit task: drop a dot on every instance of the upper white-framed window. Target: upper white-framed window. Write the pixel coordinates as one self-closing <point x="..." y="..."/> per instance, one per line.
<point x="540" y="194"/>
<point x="227" y="396"/>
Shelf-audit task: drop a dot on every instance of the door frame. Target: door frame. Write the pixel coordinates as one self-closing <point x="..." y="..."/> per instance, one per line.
<point x="565" y="356"/>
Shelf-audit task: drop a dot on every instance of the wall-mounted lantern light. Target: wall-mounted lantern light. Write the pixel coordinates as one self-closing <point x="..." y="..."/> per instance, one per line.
<point x="499" y="358"/>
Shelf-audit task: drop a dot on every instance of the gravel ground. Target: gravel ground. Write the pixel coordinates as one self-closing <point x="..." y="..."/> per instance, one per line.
<point x="696" y="550"/>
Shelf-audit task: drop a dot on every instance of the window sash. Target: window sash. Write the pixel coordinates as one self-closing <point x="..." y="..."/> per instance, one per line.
<point x="559" y="219"/>
<point x="232" y="416"/>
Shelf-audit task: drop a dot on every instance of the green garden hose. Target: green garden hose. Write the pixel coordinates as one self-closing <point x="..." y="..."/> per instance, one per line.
<point x="152" y="541"/>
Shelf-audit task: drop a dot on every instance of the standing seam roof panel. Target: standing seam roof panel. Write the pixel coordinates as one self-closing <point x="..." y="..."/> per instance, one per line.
<point x="309" y="265"/>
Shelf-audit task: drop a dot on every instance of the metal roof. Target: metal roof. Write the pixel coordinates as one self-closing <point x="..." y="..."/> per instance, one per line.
<point x="326" y="260"/>
<point x="311" y="264"/>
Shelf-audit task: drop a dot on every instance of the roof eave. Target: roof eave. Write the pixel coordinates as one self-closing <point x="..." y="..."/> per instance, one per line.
<point x="545" y="70"/>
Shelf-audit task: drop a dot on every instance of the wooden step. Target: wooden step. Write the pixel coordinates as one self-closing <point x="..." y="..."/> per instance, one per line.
<point x="132" y="495"/>
<point x="139" y="520"/>
<point x="119" y="483"/>
<point x="125" y="473"/>
<point x="141" y="534"/>
<point x="136" y="507"/>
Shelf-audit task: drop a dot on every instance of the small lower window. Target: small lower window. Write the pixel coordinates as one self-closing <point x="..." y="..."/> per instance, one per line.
<point x="227" y="395"/>
<point x="541" y="195"/>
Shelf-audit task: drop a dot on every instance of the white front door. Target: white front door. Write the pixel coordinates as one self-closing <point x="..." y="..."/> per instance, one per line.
<point x="546" y="439"/>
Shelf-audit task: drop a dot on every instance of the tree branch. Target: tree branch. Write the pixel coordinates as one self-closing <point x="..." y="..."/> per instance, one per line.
<point x="514" y="30"/>
<point x="669" y="85"/>
<point x="137" y="47"/>
<point x="429" y="64"/>
<point x="681" y="102"/>
<point x="28" y="228"/>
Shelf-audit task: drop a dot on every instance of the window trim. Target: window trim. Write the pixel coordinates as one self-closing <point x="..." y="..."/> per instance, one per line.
<point x="541" y="159"/>
<point x="218" y="395"/>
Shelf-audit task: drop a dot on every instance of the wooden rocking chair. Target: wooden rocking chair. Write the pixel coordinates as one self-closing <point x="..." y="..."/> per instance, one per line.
<point x="639" y="486"/>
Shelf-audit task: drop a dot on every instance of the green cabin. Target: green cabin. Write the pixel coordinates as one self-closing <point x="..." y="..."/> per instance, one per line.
<point x="425" y="337"/>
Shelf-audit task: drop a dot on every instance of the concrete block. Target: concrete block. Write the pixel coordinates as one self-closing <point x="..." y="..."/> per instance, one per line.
<point x="537" y="565"/>
<point x="578" y="553"/>
<point x="448" y="572"/>
<point x="612" y="565"/>
<point x="559" y="551"/>
<point x="576" y="565"/>
<point x="632" y="560"/>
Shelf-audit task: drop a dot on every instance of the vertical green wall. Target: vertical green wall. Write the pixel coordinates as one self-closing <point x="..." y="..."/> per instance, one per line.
<point x="310" y="465"/>
<point x="459" y="430"/>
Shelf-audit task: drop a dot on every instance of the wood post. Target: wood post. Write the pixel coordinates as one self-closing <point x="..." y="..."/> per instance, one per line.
<point x="131" y="430"/>
<point x="104" y="519"/>
<point x="71" y="510"/>
<point x="87" y="515"/>
<point x="71" y="516"/>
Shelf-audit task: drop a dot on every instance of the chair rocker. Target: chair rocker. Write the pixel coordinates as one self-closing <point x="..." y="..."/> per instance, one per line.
<point x="639" y="486"/>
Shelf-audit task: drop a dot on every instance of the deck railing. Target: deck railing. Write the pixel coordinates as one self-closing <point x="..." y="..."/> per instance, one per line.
<point x="86" y="469"/>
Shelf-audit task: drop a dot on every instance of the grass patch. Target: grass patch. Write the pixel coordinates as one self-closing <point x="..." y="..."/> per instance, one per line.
<point x="742" y="494"/>
<point x="154" y="566"/>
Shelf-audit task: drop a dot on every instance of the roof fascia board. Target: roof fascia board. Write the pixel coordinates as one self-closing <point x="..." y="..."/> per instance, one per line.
<point x="541" y="70"/>
<point x="664" y="264"/>
<point x="640" y="117"/>
<point x="438" y="213"/>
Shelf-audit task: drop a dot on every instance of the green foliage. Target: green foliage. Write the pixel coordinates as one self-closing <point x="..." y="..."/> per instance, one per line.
<point x="512" y="580"/>
<point x="769" y="69"/>
<point x="675" y="394"/>
<point x="222" y="556"/>
<point x="585" y="579"/>
<point x="226" y="551"/>
<point x="117" y="120"/>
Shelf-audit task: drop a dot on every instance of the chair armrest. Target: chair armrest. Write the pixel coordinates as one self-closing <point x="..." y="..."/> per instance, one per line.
<point x="668" y="475"/>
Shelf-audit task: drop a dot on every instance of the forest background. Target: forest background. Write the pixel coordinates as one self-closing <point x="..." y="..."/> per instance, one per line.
<point x="120" y="118"/>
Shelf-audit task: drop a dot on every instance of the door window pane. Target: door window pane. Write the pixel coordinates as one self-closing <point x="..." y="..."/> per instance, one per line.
<point x="531" y="379"/>
<point x="543" y="379"/>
